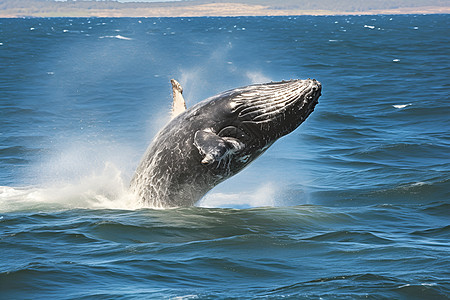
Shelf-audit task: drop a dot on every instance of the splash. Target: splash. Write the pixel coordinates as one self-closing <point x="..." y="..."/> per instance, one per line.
<point x="257" y="77"/>
<point x="105" y="190"/>
<point x="82" y="172"/>
<point x="263" y="195"/>
<point x="201" y="80"/>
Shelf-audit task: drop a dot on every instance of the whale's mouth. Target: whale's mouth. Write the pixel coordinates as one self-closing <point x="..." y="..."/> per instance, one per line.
<point x="267" y="102"/>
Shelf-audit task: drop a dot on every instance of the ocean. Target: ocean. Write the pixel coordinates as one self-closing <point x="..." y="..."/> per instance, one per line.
<point x="354" y="204"/>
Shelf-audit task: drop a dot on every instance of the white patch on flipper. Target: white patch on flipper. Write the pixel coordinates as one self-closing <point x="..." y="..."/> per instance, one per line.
<point x="215" y="148"/>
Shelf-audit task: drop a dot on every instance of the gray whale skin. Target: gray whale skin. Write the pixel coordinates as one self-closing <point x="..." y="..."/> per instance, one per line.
<point x="218" y="137"/>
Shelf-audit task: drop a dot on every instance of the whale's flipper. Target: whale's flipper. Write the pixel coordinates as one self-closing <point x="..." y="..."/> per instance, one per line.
<point x="179" y="105"/>
<point x="215" y="148"/>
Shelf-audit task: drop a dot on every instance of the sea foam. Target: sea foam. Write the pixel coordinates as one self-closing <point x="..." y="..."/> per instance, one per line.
<point x="105" y="190"/>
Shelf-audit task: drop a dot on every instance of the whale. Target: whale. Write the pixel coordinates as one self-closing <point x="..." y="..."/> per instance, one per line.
<point x="215" y="139"/>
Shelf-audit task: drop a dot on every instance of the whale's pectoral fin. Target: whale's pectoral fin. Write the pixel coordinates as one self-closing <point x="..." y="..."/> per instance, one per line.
<point x="213" y="147"/>
<point x="178" y="105"/>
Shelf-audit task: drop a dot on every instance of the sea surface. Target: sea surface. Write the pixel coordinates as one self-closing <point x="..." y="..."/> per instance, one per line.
<point x="354" y="204"/>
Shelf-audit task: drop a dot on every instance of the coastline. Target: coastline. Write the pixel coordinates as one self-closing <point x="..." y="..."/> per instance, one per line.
<point x="206" y="10"/>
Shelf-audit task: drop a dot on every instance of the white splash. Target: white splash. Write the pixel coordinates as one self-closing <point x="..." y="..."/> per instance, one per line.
<point x="257" y="77"/>
<point x="105" y="190"/>
<point x="264" y="195"/>
<point x="399" y="106"/>
<point x="120" y="37"/>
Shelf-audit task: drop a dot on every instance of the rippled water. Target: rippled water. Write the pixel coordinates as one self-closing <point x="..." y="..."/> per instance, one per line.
<point x="353" y="204"/>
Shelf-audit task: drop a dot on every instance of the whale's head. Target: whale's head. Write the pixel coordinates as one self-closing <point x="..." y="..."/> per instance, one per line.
<point x="269" y="111"/>
<point x="248" y="120"/>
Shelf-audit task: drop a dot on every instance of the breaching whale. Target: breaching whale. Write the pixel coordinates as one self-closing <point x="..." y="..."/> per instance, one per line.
<point x="218" y="137"/>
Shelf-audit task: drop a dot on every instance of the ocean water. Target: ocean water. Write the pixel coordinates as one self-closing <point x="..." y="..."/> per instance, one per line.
<point x="354" y="204"/>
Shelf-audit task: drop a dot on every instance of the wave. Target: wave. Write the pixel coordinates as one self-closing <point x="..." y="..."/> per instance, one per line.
<point x="351" y="285"/>
<point x="347" y="236"/>
<point x="263" y="252"/>
<point x="432" y="194"/>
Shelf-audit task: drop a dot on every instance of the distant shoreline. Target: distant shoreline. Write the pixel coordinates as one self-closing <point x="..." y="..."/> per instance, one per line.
<point x="204" y="10"/>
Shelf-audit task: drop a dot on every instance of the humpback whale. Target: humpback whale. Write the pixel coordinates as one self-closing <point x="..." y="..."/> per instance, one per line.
<point x="218" y="137"/>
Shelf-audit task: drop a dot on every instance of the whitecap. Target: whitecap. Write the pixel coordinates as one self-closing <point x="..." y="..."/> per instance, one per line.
<point x="369" y="26"/>
<point x="401" y="105"/>
<point x="419" y="183"/>
<point x="120" y="37"/>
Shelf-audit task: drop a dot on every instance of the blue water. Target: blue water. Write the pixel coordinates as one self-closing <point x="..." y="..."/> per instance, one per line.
<point x="354" y="204"/>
